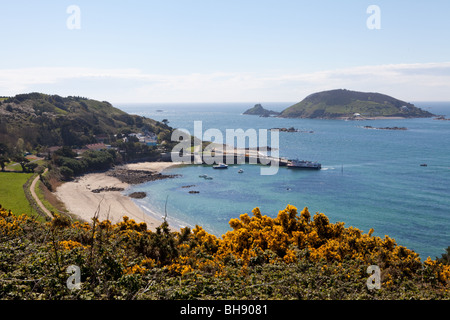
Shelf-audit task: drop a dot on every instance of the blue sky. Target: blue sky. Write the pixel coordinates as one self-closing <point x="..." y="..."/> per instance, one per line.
<point x="211" y="50"/>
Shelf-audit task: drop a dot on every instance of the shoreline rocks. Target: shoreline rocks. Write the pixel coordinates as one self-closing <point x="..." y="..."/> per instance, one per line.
<point x="292" y="129"/>
<point x="137" y="195"/>
<point x="138" y="176"/>
<point x="107" y="189"/>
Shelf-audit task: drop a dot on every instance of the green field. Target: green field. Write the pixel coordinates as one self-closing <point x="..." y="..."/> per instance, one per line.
<point x="12" y="196"/>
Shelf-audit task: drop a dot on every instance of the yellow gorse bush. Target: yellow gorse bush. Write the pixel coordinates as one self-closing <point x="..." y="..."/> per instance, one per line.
<point x="70" y="245"/>
<point x="291" y="236"/>
<point x="288" y="237"/>
<point x="440" y="271"/>
<point x="135" y="269"/>
<point x="271" y="240"/>
<point x="253" y="240"/>
<point x="11" y="225"/>
<point x="320" y="238"/>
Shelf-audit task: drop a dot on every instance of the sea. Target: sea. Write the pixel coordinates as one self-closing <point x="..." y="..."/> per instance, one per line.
<point x="369" y="178"/>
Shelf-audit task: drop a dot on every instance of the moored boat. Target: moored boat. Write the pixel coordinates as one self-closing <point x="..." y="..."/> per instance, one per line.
<point x="221" y="166"/>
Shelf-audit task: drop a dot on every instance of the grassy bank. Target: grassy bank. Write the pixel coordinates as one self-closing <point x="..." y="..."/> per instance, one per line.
<point x="12" y="195"/>
<point x="48" y="198"/>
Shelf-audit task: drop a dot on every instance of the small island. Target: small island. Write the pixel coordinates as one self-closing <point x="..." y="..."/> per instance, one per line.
<point x="442" y="118"/>
<point x="259" y="110"/>
<point x="292" y="129"/>
<point x="385" y="128"/>
<point x="344" y="104"/>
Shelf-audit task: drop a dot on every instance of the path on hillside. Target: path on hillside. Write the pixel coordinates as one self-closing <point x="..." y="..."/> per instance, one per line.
<point x="36" y="198"/>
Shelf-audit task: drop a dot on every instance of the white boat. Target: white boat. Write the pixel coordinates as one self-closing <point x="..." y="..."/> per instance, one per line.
<point x="240" y="171"/>
<point x="302" y="164"/>
<point x="221" y="166"/>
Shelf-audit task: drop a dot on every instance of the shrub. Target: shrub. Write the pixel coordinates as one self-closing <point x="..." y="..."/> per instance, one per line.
<point x="288" y="257"/>
<point x="66" y="173"/>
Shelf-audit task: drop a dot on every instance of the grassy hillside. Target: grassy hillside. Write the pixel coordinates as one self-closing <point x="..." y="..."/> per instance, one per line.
<point x="293" y="256"/>
<point x="345" y="103"/>
<point x="50" y="120"/>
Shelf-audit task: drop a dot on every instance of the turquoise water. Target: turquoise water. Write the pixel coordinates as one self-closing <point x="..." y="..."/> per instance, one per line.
<point x="370" y="178"/>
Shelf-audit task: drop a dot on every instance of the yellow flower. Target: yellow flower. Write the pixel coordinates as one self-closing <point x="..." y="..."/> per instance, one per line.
<point x="290" y="257"/>
<point x="70" y="245"/>
<point x="148" y="262"/>
<point x="136" y="269"/>
<point x="186" y="269"/>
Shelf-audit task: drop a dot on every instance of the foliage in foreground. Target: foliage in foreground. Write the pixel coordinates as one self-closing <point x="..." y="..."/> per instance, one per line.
<point x="288" y="257"/>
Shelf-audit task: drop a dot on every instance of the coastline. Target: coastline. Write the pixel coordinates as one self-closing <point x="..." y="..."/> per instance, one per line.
<point x="80" y="200"/>
<point x="370" y="118"/>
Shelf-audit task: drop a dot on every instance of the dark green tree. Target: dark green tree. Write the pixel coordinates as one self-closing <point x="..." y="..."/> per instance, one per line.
<point x="19" y="158"/>
<point x="4" y="151"/>
<point x="66" y="151"/>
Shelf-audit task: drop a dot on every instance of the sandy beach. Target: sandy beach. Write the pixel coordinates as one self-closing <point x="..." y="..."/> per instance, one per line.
<point x="79" y="199"/>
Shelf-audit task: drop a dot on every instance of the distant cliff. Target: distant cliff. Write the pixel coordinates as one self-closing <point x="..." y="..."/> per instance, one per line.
<point x="258" y="110"/>
<point x="341" y="103"/>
